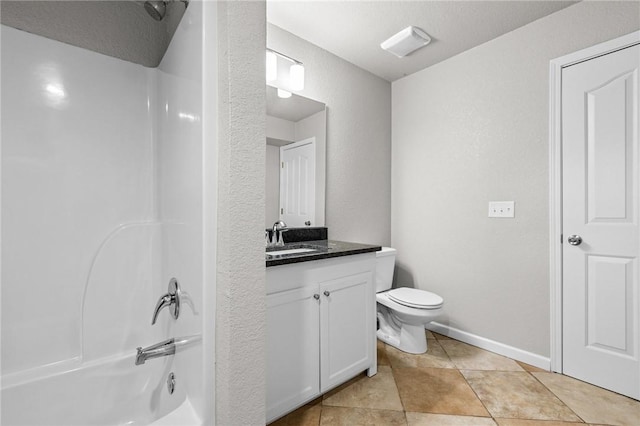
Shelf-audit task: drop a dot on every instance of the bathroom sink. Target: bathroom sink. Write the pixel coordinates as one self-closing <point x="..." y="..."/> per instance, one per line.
<point x="290" y="251"/>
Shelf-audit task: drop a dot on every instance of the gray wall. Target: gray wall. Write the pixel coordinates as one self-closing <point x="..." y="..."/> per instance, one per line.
<point x="240" y="292"/>
<point x="358" y="191"/>
<point x="472" y="129"/>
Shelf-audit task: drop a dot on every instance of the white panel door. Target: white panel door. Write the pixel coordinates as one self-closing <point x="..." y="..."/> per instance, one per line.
<point x="601" y="300"/>
<point x="346" y="312"/>
<point x="293" y="349"/>
<point x="298" y="183"/>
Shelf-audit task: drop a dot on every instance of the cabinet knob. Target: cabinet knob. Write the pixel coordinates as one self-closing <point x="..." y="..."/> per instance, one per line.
<point x="316" y="296"/>
<point x="326" y="293"/>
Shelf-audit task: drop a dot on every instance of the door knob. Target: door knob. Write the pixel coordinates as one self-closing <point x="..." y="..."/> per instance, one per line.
<point x="316" y="296"/>
<point x="326" y="293"/>
<point x="574" y="240"/>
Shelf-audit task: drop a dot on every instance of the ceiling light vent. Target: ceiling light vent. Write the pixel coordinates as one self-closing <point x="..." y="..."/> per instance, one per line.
<point x="406" y="41"/>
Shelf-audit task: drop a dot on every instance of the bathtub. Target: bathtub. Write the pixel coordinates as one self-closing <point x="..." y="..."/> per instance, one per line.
<point x="89" y="395"/>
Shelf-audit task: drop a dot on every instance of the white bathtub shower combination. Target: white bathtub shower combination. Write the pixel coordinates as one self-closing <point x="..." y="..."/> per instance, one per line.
<point x="104" y="201"/>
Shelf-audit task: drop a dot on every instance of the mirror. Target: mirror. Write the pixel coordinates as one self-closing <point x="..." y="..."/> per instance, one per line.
<point x="295" y="161"/>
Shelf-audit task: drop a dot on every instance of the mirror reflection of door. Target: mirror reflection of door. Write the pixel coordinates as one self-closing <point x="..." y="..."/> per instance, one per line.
<point x="298" y="183"/>
<point x="290" y="121"/>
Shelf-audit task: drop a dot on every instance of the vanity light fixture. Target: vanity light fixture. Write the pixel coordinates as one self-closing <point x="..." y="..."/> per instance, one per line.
<point x="296" y="77"/>
<point x="277" y="72"/>
<point x="406" y="41"/>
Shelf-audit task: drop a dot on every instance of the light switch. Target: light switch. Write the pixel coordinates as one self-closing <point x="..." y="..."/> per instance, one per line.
<point x="502" y="209"/>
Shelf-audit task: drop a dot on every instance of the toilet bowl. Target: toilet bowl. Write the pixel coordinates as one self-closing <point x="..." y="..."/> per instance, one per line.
<point x="403" y="312"/>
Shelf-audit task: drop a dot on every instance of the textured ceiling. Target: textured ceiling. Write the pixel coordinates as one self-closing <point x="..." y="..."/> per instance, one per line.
<point x="353" y="30"/>
<point x="121" y="29"/>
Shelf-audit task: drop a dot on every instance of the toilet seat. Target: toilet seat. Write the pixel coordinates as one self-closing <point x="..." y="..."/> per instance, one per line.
<point x="415" y="298"/>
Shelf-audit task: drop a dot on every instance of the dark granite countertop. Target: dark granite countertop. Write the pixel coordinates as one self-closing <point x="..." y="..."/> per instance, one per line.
<point x="322" y="249"/>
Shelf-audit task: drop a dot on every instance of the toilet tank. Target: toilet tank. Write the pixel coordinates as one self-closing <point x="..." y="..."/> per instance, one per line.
<point x="385" y="263"/>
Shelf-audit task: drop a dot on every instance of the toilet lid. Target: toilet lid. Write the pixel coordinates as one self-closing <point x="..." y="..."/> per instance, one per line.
<point x="415" y="298"/>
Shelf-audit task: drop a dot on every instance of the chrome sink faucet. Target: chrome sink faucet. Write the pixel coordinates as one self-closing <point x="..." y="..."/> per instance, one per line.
<point x="276" y="234"/>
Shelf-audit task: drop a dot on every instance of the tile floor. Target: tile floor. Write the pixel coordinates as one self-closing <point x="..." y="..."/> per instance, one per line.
<point x="455" y="384"/>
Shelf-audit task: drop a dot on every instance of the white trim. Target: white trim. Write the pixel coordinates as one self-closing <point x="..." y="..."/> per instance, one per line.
<point x="555" y="215"/>
<point x="210" y="144"/>
<point x="491" y="345"/>
<point x="555" y="179"/>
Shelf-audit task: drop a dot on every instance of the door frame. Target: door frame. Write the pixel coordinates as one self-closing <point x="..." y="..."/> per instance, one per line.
<point x="555" y="179"/>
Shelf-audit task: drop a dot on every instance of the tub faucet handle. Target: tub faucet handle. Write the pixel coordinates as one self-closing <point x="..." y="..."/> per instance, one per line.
<point x="170" y="300"/>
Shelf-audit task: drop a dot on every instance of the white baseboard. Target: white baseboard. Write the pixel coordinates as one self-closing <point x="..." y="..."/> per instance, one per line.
<point x="491" y="345"/>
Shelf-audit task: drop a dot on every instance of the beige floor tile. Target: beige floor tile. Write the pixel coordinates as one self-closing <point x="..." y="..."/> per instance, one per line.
<point x="379" y="392"/>
<point x="307" y="415"/>
<point x="382" y="354"/>
<point x="521" y="422"/>
<point x="593" y="404"/>
<point x="440" y="336"/>
<point x="437" y="390"/>
<point x="467" y="357"/>
<point x="512" y="394"/>
<point x="434" y="392"/>
<point x="434" y="357"/>
<point x="346" y="416"/>
<point x="531" y="368"/>
<point x="428" y="419"/>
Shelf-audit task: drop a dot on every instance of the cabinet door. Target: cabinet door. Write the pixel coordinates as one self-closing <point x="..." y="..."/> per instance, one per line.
<point x="293" y="347"/>
<point x="346" y="315"/>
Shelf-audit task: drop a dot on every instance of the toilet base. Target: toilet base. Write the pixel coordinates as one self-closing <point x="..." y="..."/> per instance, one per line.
<point x="406" y="337"/>
<point x="409" y="344"/>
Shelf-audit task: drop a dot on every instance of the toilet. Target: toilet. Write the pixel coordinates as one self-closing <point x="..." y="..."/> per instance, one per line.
<point x="402" y="312"/>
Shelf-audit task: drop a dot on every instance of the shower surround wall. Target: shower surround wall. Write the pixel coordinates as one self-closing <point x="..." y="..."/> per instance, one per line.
<point x="78" y="162"/>
<point x="102" y="204"/>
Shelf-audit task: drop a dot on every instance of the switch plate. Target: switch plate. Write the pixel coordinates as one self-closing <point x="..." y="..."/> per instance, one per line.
<point x="502" y="209"/>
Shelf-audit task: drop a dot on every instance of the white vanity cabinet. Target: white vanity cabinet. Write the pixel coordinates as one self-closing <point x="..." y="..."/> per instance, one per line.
<point x="345" y="328"/>
<point x="320" y="328"/>
<point x="293" y="349"/>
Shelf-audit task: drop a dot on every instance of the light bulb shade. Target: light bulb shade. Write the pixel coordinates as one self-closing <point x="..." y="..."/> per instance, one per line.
<point x="272" y="66"/>
<point x="406" y="41"/>
<point x="296" y="77"/>
<point x="283" y="94"/>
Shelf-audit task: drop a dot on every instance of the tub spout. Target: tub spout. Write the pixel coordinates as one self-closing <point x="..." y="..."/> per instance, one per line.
<point x="166" y="348"/>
